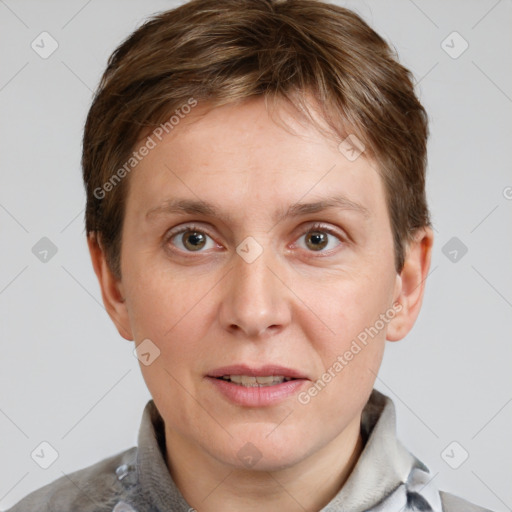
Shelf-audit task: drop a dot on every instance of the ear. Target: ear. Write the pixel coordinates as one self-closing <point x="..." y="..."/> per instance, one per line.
<point x="111" y="288"/>
<point x="411" y="283"/>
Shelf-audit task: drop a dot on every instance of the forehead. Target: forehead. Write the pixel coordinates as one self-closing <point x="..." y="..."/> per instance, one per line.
<point x="239" y="156"/>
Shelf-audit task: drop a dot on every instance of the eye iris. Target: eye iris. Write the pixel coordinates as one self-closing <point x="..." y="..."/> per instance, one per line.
<point x="318" y="238"/>
<point x="196" y="238"/>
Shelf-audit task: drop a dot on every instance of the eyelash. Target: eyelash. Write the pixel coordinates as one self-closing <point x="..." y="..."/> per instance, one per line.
<point x="314" y="227"/>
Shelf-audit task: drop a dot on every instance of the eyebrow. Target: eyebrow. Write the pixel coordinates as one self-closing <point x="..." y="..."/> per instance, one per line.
<point x="200" y="207"/>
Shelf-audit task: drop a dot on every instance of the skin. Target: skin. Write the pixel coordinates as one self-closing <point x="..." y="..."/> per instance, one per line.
<point x="295" y="305"/>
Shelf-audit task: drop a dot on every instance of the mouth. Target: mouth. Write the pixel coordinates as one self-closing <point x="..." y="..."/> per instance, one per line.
<point x="250" y="376"/>
<point x="256" y="387"/>
<point x="249" y="381"/>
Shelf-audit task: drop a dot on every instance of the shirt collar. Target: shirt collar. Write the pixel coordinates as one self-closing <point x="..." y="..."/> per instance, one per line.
<point x="154" y="476"/>
<point x="383" y="465"/>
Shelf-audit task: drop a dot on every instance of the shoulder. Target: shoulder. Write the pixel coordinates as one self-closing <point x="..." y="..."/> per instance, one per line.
<point x="94" y="488"/>
<point x="452" y="503"/>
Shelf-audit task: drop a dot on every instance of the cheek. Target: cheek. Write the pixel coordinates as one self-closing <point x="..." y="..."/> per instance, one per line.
<point x="349" y="360"/>
<point x="177" y="318"/>
<point x="350" y="350"/>
<point x="161" y="303"/>
<point x="347" y="307"/>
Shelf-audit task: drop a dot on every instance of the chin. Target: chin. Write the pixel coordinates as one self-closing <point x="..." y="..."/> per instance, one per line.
<point x="267" y="461"/>
<point x="259" y="451"/>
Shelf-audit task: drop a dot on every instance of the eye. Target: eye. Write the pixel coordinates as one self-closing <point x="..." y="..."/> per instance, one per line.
<point x="319" y="237"/>
<point x="191" y="239"/>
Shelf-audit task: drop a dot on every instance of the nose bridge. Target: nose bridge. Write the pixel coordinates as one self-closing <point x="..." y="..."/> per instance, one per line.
<point x="255" y="300"/>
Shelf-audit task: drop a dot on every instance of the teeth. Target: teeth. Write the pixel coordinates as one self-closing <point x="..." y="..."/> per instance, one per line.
<point x="249" y="381"/>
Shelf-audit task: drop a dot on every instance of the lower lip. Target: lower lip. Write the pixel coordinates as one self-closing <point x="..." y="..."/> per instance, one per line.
<point x="257" y="396"/>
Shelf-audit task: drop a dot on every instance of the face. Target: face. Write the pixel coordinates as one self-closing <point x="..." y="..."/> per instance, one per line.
<point x="257" y="284"/>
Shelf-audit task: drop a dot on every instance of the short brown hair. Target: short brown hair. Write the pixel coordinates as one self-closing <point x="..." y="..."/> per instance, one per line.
<point x="224" y="51"/>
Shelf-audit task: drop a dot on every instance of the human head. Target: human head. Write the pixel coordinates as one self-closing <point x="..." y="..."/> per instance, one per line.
<point x="286" y="307"/>
<point x="223" y="51"/>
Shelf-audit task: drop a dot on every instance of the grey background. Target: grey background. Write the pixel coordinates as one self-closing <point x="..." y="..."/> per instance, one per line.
<point x="68" y="378"/>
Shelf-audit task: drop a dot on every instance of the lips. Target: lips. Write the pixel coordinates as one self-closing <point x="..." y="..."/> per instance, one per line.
<point x="262" y="386"/>
<point x="241" y="370"/>
<point x="250" y="381"/>
<point x="257" y="386"/>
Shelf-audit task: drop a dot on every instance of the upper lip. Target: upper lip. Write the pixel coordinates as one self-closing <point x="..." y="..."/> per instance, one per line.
<point x="259" y="371"/>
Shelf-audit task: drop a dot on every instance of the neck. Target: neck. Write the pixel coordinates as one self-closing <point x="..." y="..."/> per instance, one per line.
<point x="209" y="485"/>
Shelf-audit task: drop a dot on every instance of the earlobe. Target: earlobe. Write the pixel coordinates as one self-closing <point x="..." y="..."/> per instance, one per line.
<point x="111" y="288"/>
<point x="412" y="283"/>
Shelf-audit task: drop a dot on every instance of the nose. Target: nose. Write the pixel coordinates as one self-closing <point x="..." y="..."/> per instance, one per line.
<point x="256" y="301"/>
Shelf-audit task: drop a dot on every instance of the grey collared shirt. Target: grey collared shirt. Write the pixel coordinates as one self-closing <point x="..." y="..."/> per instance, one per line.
<point x="386" y="477"/>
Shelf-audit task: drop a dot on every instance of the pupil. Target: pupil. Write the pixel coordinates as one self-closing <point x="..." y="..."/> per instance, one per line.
<point x="194" y="240"/>
<point x="318" y="239"/>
